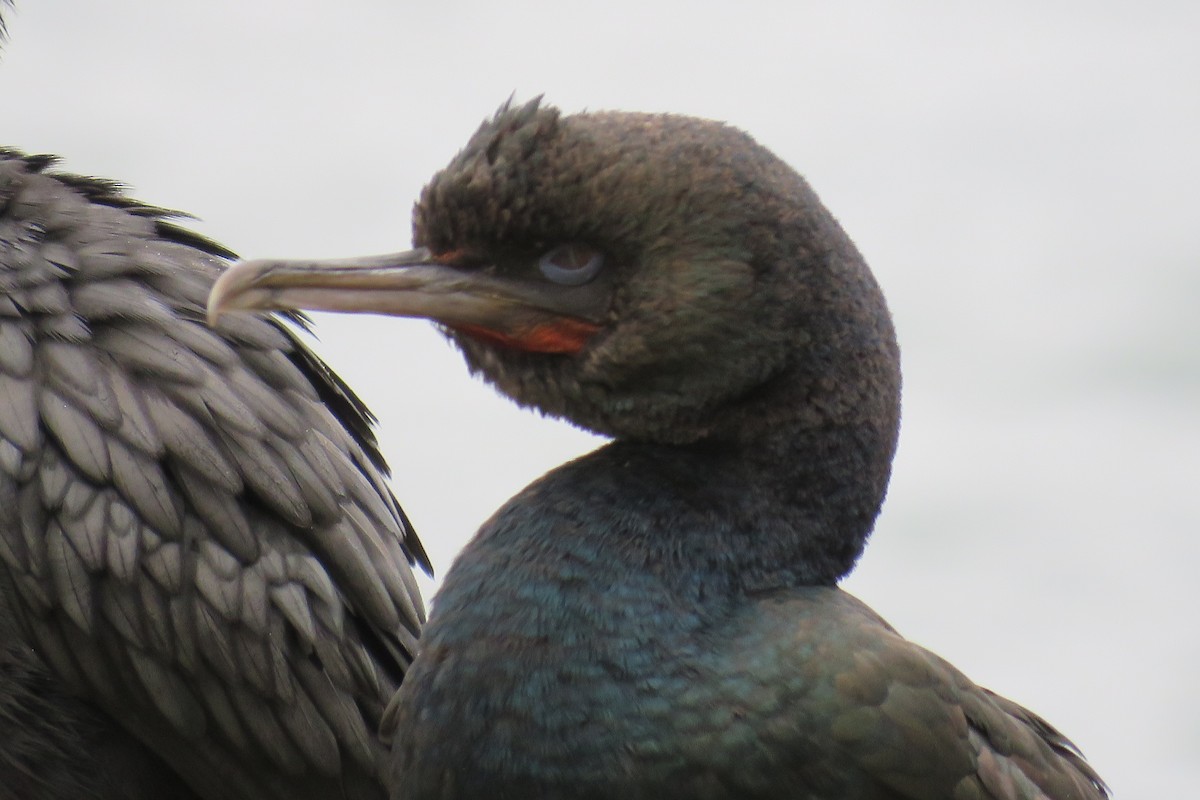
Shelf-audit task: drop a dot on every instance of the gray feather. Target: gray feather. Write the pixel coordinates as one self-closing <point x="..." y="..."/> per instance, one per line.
<point x="311" y="734"/>
<point x="335" y="708"/>
<point x="70" y="366"/>
<point x="267" y="404"/>
<point x="16" y="351"/>
<point x="264" y="727"/>
<point x="50" y="298"/>
<point x="221" y="592"/>
<point x="223" y="515"/>
<point x="142" y="482"/>
<point x="159" y="638"/>
<point x="260" y="468"/>
<point x="152" y="355"/>
<point x="12" y="461"/>
<point x="136" y="429"/>
<point x="123" y="542"/>
<point x="291" y="600"/>
<point x="171" y="694"/>
<point x="87" y="531"/>
<point x="214" y="640"/>
<point x="194" y="525"/>
<point x="187" y="440"/>
<point x="221" y="709"/>
<point x="324" y="505"/>
<point x="80" y="437"/>
<point x="71" y="581"/>
<point x="18" y="412"/>
<point x="254" y="663"/>
<point x="165" y="564"/>
<point x="122" y="609"/>
<point x="255" y="611"/>
<point x="118" y="299"/>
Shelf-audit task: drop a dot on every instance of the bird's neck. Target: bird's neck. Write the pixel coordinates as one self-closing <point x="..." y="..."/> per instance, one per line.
<point x="704" y="520"/>
<point x="788" y="511"/>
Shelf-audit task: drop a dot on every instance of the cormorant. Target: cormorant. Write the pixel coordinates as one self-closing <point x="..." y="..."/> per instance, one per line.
<point x="206" y="586"/>
<point x="660" y="618"/>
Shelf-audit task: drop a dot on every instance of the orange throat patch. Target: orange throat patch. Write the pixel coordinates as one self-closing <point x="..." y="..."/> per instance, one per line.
<point x="563" y="335"/>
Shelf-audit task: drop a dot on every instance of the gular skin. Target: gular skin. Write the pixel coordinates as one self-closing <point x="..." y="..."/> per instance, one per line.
<point x="206" y="587"/>
<point x="660" y="619"/>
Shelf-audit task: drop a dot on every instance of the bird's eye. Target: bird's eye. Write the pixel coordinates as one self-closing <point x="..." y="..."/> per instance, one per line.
<point x="571" y="264"/>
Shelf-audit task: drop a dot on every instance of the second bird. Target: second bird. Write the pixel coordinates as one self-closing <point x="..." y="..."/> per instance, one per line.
<point x="660" y="618"/>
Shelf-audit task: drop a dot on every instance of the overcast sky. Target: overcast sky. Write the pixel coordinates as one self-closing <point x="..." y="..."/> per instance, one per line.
<point x="1024" y="179"/>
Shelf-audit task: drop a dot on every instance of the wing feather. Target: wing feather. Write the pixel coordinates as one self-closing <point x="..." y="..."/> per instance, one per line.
<point x="194" y="524"/>
<point x="907" y="719"/>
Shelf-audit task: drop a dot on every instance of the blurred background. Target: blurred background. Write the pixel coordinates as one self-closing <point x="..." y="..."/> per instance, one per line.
<point x="1024" y="179"/>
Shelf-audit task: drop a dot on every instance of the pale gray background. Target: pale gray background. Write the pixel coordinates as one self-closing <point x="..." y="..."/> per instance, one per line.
<point x="1024" y="178"/>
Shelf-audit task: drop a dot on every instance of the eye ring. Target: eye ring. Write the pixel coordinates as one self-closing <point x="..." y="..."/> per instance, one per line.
<point x="571" y="264"/>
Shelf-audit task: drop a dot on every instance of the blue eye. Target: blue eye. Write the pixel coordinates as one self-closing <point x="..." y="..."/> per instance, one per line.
<point x="571" y="264"/>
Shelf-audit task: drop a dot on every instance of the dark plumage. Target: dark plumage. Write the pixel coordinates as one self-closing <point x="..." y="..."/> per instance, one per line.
<point x="205" y="584"/>
<point x="660" y="618"/>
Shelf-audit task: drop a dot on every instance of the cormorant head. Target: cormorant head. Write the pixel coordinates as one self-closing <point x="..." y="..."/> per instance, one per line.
<point x="646" y="276"/>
